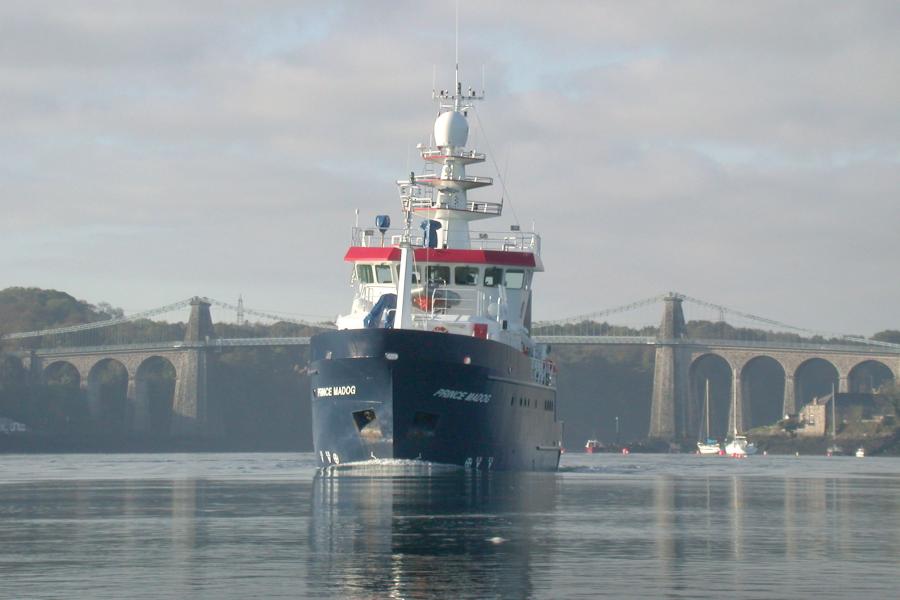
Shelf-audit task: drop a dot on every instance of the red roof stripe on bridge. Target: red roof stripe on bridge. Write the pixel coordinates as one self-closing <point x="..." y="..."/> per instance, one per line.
<point x="489" y="257"/>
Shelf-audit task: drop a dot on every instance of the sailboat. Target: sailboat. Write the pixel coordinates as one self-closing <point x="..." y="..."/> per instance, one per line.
<point x="739" y="446"/>
<point x="710" y="445"/>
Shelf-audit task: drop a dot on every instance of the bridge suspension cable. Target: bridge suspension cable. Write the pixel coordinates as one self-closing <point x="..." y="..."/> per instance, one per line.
<point x="724" y="310"/>
<point x="99" y="324"/>
<point x="602" y="313"/>
<point x="265" y="315"/>
<point x="154" y="312"/>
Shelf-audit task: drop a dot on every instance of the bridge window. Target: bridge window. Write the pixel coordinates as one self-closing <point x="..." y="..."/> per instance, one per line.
<point x="515" y="279"/>
<point x="364" y="273"/>
<point x="438" y="273"/>
<point x="493" y="276"/>
<point x="383" y="273"/>
<point x="465" y="276"/>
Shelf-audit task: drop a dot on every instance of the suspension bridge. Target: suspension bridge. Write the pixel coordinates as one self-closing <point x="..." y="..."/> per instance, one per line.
<point x="739" y="341"/>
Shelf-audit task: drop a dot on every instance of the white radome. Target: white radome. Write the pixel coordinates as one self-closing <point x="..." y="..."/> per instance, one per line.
<point x="451" y="129"/>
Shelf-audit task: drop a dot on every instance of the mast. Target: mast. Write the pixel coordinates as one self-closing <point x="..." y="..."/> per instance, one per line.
<point x="706" y="409"/>
<point x="833" y="400"/>
<point x="734" y="402"/>
<point x="443" y="195"/>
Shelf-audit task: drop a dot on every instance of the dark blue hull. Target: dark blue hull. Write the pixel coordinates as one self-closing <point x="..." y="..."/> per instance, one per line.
<point x="435" y="397"/>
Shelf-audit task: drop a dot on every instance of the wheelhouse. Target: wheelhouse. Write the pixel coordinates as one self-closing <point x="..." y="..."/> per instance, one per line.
<point x="483" y="290"/>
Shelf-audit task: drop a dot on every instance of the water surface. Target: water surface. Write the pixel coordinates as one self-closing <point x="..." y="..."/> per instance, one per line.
<point x="262" y="525"/>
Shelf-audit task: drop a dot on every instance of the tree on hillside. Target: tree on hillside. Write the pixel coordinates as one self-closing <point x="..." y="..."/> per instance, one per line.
<point x="30" y="309"/>
<point x="888" y="335"/>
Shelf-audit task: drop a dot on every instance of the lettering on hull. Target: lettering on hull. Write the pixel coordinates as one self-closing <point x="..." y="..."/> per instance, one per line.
<point x="335" y="390"/>
<point x="460" y="395"/>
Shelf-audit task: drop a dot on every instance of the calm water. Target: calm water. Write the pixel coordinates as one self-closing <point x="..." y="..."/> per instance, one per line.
<point x="261" y="525"/>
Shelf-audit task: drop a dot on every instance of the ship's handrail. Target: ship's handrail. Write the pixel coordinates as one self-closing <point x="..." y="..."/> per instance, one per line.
<point x="437" y="154"/>
<point x="421" y="203"/>
<point x="468" y="301"/>
<point x="441" y="182"/>
<point x="543" y="371"/>
<point x="371" y="292"/>
<point x="414" y="196"/>
<point x="509" y="241"/>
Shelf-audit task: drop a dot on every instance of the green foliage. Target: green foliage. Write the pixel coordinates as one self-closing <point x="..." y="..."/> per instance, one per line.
<point x="33" y="309"/>
<point x="888" y="335"/>
<point x="29" y="309"/>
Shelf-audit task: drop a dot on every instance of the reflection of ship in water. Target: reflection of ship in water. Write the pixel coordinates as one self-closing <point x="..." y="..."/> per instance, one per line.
<point x="433" y="536"/>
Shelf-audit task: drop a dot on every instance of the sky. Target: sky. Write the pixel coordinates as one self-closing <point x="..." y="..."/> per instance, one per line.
<point x="745" y="153"/>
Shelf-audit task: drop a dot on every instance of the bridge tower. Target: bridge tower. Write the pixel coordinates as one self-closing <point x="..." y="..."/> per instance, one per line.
<point x="668" y="408"/>
<point x="200" y="326"/>
<point x="192" y="414"/>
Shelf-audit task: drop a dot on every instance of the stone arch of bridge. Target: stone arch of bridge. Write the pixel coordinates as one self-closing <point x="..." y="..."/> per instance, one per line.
<point x="815" y="377"/>
<point x="763" y="379"/>
<point x="718" y="370"/>
<point x="868" y="376"/>
<point x="63" y="398"/>
<point x="154" y="395"/>
<point x="108" y="390"/>
<point x="53" y="371"/>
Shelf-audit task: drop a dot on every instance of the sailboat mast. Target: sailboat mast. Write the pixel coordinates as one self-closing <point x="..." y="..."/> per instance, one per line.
<point x="833" y="400"/>
<point x="706" y="408"/>
<point x="734" y="402"/>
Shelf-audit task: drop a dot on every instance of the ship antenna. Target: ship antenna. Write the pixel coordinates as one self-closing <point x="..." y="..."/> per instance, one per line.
<point x="457" y="47"/>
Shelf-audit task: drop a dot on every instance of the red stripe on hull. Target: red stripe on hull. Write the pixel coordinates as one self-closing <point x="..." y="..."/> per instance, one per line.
<point x="445" y="255"/>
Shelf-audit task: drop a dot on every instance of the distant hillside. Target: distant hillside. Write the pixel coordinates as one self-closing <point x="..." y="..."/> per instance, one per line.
<point x="703" y="330"/>
<point x="29" y="309"/>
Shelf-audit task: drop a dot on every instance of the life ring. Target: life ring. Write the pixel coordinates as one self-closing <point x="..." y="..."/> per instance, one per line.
<point x="440" y="329"/>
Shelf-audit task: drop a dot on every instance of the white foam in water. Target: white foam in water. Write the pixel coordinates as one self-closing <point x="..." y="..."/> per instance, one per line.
<point x="392" y="466"/>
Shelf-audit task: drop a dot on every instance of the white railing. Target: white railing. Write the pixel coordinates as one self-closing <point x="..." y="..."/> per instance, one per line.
<point x="543" y="371"/>
<point x="420" y="203"/>
<point x="467" y="156"/>
<point x="509" y="241"/>
<point x="446" y="300"/>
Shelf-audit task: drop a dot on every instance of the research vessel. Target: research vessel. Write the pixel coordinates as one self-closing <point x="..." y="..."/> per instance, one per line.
<point x="434" y="366"/>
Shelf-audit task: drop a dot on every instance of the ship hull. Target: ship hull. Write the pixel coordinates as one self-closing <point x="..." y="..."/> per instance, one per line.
<point x="390" y="395"/>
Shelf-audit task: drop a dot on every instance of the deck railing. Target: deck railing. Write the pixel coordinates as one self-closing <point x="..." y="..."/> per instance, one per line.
<point x="509" y="241"/>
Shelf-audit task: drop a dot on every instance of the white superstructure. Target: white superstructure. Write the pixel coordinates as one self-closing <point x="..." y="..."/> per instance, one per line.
<point x="473" y="283"/>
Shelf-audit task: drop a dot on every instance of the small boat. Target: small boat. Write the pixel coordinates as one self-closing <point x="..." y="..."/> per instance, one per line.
<point x="710" y="446"/>
<point x="593" y="447"/>
<point x="860" y="452"/>
<point x="739" y="446"/>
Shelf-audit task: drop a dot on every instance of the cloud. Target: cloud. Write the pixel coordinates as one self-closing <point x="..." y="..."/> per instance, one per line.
<point x="742" y="153"/>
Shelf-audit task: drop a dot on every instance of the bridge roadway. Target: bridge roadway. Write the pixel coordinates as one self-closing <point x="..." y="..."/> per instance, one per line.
<point x="543" y="339"/>
<point x="675" y="406"/>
